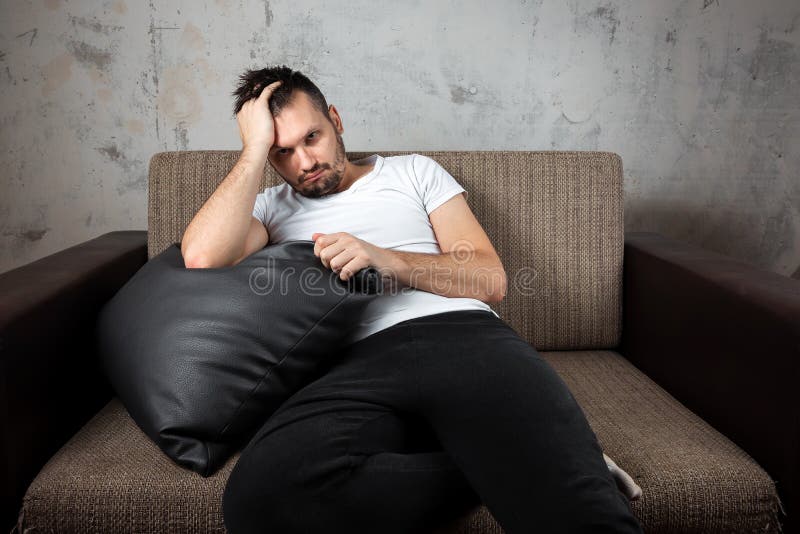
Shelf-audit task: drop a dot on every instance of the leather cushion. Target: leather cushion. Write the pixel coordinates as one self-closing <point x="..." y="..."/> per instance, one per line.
<point x="200" y="357"/>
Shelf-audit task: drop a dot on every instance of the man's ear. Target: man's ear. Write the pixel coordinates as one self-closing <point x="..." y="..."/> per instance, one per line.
<point x="335" y="119"/>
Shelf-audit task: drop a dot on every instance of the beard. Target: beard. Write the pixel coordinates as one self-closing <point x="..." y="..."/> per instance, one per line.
<point x="325" y="185"/>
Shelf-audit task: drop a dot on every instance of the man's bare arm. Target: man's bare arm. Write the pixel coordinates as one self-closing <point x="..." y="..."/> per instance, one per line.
<point x="217" y="235"/>
<point x="220" y="233"/>
<point x="461" y="273"/>
<point x="469" y="266"/>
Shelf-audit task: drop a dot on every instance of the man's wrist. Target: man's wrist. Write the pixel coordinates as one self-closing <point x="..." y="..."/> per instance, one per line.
<point x="254" y="156"/>
<point x="398" y="266"/>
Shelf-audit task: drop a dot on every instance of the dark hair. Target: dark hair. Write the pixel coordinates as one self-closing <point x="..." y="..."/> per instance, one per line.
<point x="252" y="82"/>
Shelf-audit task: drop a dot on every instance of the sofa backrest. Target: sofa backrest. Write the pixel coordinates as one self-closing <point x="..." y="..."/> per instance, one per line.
<point x="555" y="219"/>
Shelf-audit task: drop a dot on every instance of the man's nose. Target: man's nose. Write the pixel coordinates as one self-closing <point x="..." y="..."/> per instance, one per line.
<point x="307" y="161"/>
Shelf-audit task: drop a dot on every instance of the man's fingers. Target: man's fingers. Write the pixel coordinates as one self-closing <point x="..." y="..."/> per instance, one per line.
<point x="268" y="90"/>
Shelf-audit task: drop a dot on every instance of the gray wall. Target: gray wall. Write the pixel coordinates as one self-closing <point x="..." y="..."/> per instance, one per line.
<point x="700" y="98"/>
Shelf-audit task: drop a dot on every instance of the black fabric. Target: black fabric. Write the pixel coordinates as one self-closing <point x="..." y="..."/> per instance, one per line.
<point x="417" y="424"/>
<point x="201" y="357"/>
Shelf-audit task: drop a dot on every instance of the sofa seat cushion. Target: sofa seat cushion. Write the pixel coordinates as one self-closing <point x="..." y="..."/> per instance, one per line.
<point x="111" y="478"/>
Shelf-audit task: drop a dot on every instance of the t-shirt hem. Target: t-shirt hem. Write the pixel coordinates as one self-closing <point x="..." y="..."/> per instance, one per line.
<point x="444" y="198"/>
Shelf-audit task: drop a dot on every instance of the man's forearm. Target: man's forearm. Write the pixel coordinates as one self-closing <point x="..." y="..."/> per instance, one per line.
<point x="216" y="236"/>
<point x="452" y="274"/>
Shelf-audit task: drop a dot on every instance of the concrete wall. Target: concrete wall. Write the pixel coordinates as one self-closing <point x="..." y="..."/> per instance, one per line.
<point x="700" y="98"/>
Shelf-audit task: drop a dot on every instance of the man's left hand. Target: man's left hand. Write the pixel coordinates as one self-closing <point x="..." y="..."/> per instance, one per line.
<point x="345" y="254"/>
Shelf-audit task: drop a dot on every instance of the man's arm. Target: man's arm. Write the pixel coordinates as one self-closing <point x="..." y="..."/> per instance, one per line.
<point x="468" y="267"/>
<point x="219" y="233"/>
<point x="223" y="231"/>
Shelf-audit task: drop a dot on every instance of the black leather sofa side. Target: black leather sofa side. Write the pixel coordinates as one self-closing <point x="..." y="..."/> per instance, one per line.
<point x="723" y="337"/>
<point x="50" y="379"/>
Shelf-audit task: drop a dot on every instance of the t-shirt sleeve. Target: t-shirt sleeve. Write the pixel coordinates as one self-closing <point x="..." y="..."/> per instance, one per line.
<point x="260" y="208"/>
<point x="436" y="185"/>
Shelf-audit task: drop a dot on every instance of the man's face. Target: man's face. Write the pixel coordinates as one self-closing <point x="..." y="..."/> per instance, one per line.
<point x="306" y="142"/>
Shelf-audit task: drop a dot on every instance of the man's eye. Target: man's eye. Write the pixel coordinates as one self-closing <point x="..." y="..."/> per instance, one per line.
<point x="281" y="151"/>
<point x="312" y="133"/>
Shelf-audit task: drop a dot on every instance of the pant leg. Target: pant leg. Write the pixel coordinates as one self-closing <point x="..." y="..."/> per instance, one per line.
<point x="499" y="411"/>
<point x="336" y="457"/>
<point x="513" y="427"/>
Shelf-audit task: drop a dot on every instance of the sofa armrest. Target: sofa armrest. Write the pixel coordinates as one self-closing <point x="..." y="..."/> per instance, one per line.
<point x="50" y="380"/>
<point x="722" y="337"/>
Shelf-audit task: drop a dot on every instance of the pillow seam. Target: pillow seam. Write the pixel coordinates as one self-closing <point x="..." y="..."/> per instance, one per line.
<point x="283" y="358"/>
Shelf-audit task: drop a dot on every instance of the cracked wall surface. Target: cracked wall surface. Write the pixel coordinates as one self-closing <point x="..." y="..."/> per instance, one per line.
<point x="699" y="98"/>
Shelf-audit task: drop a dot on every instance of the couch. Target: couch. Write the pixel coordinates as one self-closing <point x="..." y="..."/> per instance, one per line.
<point x="683" y="360"/>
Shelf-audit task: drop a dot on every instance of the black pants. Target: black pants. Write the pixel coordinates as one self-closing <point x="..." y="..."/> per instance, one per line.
<point x="419" y="423"/>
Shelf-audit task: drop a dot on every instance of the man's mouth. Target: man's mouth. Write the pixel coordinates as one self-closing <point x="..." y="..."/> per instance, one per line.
<point x="312" y="177"/>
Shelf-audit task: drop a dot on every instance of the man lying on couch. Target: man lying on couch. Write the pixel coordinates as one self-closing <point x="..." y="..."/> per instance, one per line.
<point x="436" y="404"/>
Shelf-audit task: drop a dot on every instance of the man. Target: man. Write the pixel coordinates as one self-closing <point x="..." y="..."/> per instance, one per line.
<point x="436" y="405"/>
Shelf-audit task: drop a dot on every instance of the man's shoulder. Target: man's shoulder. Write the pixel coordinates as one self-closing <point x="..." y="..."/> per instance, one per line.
<point x="399" y="159"/>
<point x="415" y="163"/>
<point x="279" y="192"/>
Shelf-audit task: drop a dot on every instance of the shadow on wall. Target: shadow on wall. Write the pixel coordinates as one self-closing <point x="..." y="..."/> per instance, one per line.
<point x="712" y="228"/>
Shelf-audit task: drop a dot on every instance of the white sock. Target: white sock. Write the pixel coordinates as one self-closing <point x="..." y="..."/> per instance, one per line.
<point x="624" y="481"/>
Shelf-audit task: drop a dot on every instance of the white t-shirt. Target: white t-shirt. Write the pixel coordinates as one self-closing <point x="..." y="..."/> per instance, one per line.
<point x="387" y="207"/>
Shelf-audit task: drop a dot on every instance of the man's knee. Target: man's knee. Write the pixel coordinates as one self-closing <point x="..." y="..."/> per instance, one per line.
<point x="248" y="500"/>
<point x="282" y="487"/>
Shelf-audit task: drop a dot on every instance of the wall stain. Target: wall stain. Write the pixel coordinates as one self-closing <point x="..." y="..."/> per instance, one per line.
<point x="793" y="25"/>
<point x="113" y="153"/>
<point x="267" y="14"/>
<point x="564" y="115"/>
<point x="27" y="235"/>
<point x="104" y="94"/>
<point x="2" y="55"/>
<point x="56" y="72"/>
<point x="154" y="52"/>
<point x="181" y="139"/>
<point x="137" y="183"/>
<point x="134" y="126"/>
<point x="203" y="69"/>
<point x="119" y="7"/>
<point x="94" y="25"/>
<point x="707" y="3"/>
<point x="178" y="98"/>
<point x="459" y="95"/>
<point x="33" y="33"/>
<point x="134" y="178"/>
<point x="192" y="38"/>
<point x="90" y="55"/>
<point x="607" y="16"/>
<point x="771" y="74"/>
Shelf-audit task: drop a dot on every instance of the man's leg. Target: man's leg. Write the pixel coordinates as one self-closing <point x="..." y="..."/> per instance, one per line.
<point x="513" y="427"/>
<point x="500" y="411"/>
<point x="336" y="457"/>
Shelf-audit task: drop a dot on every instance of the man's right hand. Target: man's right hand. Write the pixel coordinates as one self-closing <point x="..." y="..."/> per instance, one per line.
<point x="256" y="126"/>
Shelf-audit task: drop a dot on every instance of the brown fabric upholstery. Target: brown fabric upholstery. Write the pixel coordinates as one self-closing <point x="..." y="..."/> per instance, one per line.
<point x="555" y="218"/>
<point x="735" y="326"/>
<point x="111" y="478"/>
<point x="50" y="383"/>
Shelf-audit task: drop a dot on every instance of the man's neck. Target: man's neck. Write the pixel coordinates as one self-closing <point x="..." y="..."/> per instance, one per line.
<point x="353" y="173"/>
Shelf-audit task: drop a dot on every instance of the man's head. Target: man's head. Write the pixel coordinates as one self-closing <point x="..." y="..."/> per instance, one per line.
<point x="307" y="131"/>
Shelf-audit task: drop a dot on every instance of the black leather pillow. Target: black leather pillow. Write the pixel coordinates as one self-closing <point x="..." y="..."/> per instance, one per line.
<point x="201" y="357"/>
